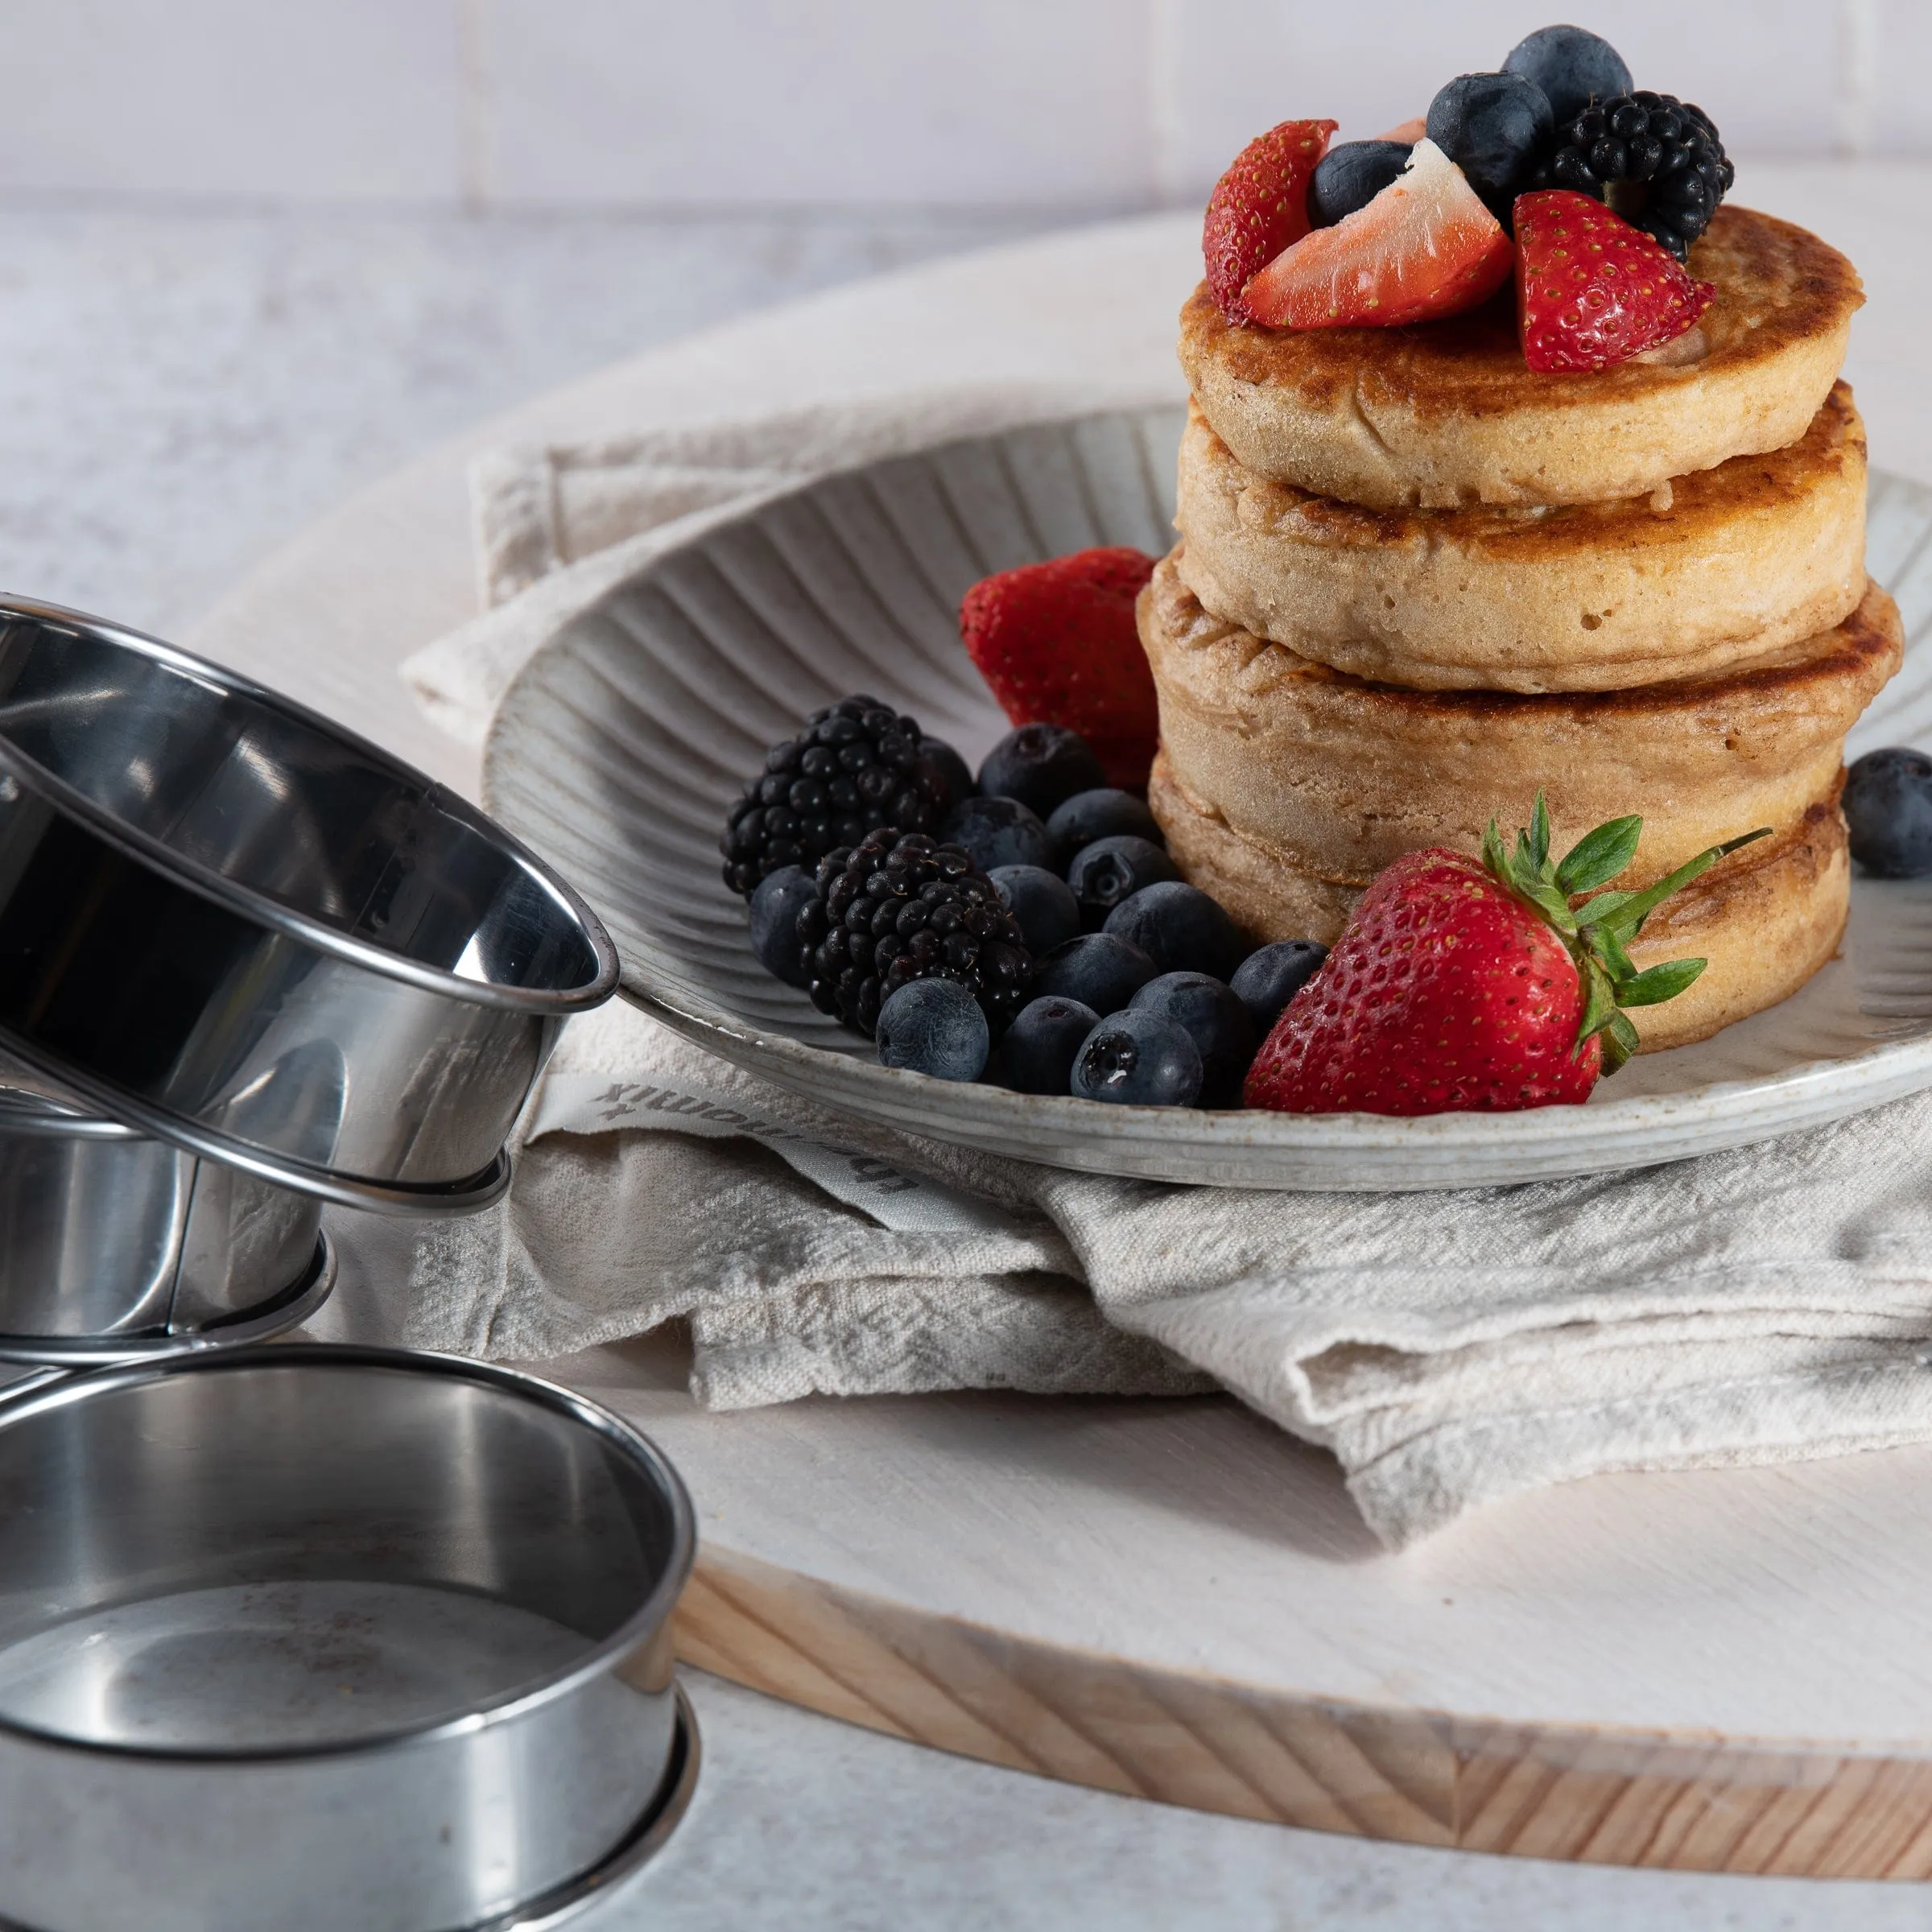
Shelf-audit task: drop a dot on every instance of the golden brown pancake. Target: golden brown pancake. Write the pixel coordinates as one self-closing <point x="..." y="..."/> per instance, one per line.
<point x="1764" y="919"/>
<point x="1336" y="776"/>
<point x="1446" y="413"/>
<point x="1724" y="564"/>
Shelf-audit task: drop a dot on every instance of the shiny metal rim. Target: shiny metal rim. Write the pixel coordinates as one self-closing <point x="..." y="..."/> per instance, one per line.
<point x="152" y="854"/>
<point x="564" y="1905"/>
<point x="288" y="1310"/>
<point x="650" y="1617"/>
<point x="325" y="1183"/>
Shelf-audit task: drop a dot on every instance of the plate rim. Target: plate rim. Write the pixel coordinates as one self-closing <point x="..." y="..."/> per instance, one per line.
<point x="1303" y="1153"/>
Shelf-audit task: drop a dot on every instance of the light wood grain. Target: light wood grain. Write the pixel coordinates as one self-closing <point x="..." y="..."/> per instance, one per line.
<point x="1424" y="1777"/>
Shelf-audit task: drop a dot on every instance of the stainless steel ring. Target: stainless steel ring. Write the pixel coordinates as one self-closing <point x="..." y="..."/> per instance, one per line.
<point x="310" y="1636"/>
<point x="277" y="1316"/>
<point x="247" y="930"/>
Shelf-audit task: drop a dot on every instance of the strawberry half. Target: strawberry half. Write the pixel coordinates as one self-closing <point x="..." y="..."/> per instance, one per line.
<point x="1424" y="247"/>
<point x="1259" y="207"/>
<point x="1461" y="984"/>
<point x="1592" y="291"/>
<point x="1058" y="644"/>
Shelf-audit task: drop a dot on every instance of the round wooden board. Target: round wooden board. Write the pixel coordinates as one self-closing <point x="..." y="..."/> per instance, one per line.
<point x="1717" y="1671"/>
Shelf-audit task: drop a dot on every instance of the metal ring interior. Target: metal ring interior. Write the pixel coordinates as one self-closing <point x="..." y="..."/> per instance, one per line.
<point x="108" y="800"/>
<point x="288" y="1310"/>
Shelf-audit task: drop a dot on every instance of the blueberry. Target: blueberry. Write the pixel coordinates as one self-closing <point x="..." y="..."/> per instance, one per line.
<point x="1215" y="1019"/>
<point x="935" y="1026"/>
<point x="1572" y="65"/>
<point x="1036" y="1054"/>
<point x="1105" y="814"/>
<point x="1494" y="127"/>
<point x="1099" y="969"/>
<point x="1138" y="1060"/>
<point x="1042" y="765"/>
<point x="1351" y="177"/>
<point x="1888" y="804"/>
<point x="775" y="905"/>
<point x="1109" y="870"/>
<point x="1180" y="929"/>
<point x="997" y="831"/>
<point x="1266" y="981"/>
<point x="1043" y="903"/>
<point x="954" y="772"/>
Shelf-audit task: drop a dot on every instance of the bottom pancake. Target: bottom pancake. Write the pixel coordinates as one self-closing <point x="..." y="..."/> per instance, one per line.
<point x="1765" y="919"/>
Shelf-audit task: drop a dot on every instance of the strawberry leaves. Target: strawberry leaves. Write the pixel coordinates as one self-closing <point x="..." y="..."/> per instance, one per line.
<point x="1598" y="933"/>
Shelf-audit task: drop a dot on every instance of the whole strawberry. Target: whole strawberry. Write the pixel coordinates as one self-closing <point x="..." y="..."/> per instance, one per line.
<point x="1466" y="985"/>
<point x="1592" y="291"/>
<point x="1259" y="208"/>
<point x="1058" y="645"/>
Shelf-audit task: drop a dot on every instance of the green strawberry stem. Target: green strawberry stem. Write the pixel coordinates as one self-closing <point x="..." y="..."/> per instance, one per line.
<point x="1597" y="932"/>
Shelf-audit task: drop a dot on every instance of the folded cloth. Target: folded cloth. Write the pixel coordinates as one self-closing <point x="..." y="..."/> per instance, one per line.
<point x="1450" y="1349"/>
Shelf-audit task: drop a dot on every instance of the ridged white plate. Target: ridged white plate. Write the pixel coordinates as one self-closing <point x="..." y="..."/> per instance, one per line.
<point x="619" y="748"/>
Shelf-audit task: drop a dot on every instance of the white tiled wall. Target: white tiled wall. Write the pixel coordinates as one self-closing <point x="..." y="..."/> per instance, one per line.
<point x="703" y="103"/>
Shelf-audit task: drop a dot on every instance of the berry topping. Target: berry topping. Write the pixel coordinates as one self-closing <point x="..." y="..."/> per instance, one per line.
<point x="1037" y="1053"/>
<point x="1888" y="805"/>
<point x="1259" y="208"/>
<point x="936" y="1027"/>
<point x="1591" y="290"/>
<point x="898" y="907"/>
<point x="1656" y="161"/>
<point x="777" y="901"/>
<point x="1217" y="1022"/>
<point x="1351" y="175"/>
<point x="1266" y="981"/>
<point x="1042" y="903"/>
<point x="1088" y="816"/>
<point x="1424" y="247"/>
<point x="1572" y="66"/>
<point x="1466" y="983"/>
<point x="1109" y="870"/>
<point x="1099" y="969"/>
<point x="1057" y="644"/>
<point x="856" y="765"/>
<point x="997" y="832"/>
<point x="951" y="766"/>
<point x="1180" y="929"/>
<point x="1042" y="766"/>
<point x="1495" y="127"/>
<point x="1138" y="1060"/>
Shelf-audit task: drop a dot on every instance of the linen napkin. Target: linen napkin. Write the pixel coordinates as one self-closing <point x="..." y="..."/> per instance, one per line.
<point x="1450" y="1349"/>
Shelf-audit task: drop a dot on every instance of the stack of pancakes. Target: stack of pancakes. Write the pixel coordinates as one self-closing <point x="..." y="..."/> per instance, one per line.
<point x="1416" y="582"/>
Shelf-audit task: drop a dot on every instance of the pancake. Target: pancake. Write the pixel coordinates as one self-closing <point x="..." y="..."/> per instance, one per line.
<point x="1446" y="413"/>
<point x="1727" y="564"/>
<point x="1336" y="776"/>
<point x="1765" y="919"/>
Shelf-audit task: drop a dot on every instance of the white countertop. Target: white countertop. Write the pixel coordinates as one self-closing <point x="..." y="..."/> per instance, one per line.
<point x="180" y="392"/>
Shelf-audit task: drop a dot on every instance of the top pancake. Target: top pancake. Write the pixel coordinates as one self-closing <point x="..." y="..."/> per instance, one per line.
<point x="1446" y="413"/>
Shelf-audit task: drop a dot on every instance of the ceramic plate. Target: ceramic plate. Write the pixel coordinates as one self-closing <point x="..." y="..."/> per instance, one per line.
<point x="618" y="750"/>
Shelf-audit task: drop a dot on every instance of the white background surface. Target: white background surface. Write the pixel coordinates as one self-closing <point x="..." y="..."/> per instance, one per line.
<point x="1065" y="104"/>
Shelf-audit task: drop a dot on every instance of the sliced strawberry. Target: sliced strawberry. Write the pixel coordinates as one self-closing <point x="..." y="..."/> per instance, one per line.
<point x="1259" y="207"/>
<point x="1410" y="131"/>
<point x="1424" y="247"/>
<point x="1464" y="983"/>
<point x="1591" y="290"/>
<point x="1058" y="644"/>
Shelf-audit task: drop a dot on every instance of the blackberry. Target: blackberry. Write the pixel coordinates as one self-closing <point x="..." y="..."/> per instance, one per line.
<point x="856" y="763"/>
<point x="898" y="906"/>
<point x="1656" y="160"/>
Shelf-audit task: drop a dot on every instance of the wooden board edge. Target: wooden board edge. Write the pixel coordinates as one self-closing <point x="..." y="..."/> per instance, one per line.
<point x="1675" y="1802"/>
